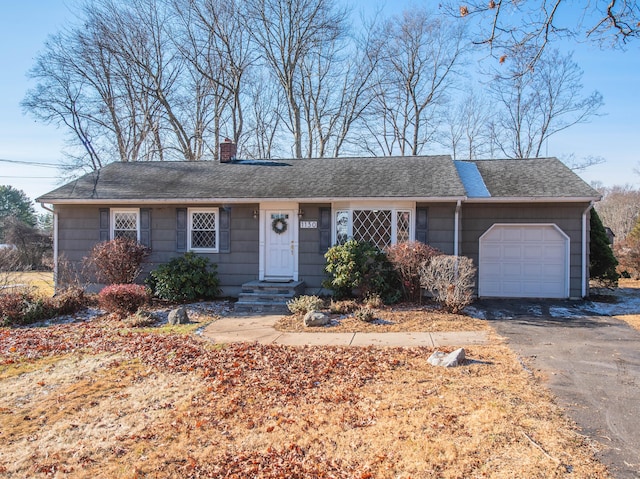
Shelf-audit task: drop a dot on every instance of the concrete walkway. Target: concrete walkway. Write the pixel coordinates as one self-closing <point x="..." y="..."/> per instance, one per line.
<point x="261" y="329"/>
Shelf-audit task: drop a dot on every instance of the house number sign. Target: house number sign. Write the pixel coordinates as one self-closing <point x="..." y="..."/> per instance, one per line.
<point x="308" y="224"/>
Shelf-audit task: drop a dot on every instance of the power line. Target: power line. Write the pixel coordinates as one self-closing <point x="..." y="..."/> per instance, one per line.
<point x="29" y="177"/>
<point x="30" y="163"/>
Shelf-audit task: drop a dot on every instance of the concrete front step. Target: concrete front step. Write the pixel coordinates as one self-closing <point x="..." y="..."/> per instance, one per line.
<point x="268" y="296"/>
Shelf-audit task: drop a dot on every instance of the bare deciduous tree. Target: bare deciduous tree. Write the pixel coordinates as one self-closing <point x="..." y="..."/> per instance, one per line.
<point x="538" y="103"/>
<point x="619" y="209"/>
<point x="466" y="132"/>
<point x="419" y="57"/>
<point x="287" y="32"/>
<point x="507" y="26"/>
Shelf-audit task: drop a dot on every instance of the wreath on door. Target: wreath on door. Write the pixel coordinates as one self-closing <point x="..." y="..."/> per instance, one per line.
<point x="279" y="225"/>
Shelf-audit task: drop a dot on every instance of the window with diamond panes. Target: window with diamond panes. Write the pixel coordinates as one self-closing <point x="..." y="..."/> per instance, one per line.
<point x="402" y="226"/>
<point x="203" y="230"/>
<point x="372" y="226"/>
<point x="342" y="227"/>
<point x="125" y="224"/>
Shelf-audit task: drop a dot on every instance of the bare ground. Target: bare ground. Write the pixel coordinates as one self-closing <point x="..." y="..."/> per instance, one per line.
<point x="97" y="399"/>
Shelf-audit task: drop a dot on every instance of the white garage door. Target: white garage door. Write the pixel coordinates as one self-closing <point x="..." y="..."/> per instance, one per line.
<point x="523" y="261"/>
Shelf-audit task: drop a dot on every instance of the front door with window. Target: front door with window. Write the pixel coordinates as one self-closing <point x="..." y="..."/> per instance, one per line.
<point x="280" y="245"/>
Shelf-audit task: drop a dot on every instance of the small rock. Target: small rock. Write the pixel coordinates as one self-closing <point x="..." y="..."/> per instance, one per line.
<point x="315" y="318"/>
<point x="455" y="358"/>
<point x="178" y="316"/>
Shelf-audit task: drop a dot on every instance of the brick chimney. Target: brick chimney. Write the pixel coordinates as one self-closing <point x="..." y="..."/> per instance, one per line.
<point x="227" y="151"/>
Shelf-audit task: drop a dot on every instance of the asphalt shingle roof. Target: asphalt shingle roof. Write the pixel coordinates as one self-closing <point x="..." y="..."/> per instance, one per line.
<point x="381" y="177"/>
<point x="533" y="178"/>
<point x="385" y="177"/>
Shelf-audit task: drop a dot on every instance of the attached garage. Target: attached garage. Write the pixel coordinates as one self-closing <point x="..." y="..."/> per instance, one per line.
<point x="523" y="261"/>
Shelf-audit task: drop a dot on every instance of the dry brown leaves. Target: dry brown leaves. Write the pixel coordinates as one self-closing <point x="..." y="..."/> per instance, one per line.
<point x="82" y="400"/>
<point x="410" y="318"/>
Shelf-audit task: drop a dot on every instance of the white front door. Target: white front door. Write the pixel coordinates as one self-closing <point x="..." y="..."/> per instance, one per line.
<point x="280" y="245"/>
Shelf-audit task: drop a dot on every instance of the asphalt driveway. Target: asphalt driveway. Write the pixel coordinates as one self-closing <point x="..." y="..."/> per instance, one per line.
<point x="591" y="363"/>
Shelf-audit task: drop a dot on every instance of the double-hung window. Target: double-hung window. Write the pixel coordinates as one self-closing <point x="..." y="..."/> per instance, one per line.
<point x="203" y="230"/>
<point x="125" y="223"/>
<point x="380" y="227"/>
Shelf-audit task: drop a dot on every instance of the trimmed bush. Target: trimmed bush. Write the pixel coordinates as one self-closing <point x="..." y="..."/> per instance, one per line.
<point x="450" y="279"/>
<point x="186" y="278"/>
<point x="360" y="267"/>
<point x="117" y="261"/>
<point x="123" y="299"/>
<point x="304" y="304"/>
<point x="407" y="259"/>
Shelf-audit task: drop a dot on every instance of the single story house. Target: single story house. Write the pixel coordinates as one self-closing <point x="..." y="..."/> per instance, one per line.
<point x="525" y="223"/>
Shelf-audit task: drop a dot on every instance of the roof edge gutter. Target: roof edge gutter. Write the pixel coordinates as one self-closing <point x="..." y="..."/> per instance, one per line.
<point x="55" y="242"/>
<point x="535" y="199"/>
<point x="173" y="201"/>
<point x="585" y="264"/>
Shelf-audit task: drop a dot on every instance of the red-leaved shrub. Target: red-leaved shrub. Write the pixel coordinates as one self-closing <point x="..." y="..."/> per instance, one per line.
<point x="123" y="299"/>
<point x="69" y="301"/>
<point x="407" y="259"/>
<point x="11" y="308"/>
<point x="117" y="261"/>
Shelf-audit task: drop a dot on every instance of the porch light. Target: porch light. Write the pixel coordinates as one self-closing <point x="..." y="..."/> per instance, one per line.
<point x="255" y="214"/>
<point x="300" y="213"/>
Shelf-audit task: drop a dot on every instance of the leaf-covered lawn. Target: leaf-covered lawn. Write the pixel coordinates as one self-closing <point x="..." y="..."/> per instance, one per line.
<point x="89" y="400"/>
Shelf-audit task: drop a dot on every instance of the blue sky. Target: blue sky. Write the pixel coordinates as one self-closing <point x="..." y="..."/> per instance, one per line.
<point x="24" y="26"/>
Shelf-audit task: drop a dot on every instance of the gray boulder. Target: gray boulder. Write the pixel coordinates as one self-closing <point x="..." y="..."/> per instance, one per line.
<point x="315" y="318"/>
<point x="178" y="316"/>
<point x="455" y="358"/>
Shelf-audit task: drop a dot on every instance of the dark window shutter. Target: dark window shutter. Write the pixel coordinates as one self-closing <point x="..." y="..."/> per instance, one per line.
<point x="104" y="224"/>
<point x="421" y="225"/>
<point x="324" y="228"/>
<point x="181" y="229"/>
<point x="224" y="233"/>
<point x="145" y="227"/>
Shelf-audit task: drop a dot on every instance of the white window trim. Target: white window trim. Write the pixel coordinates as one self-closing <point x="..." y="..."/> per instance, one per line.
<point x="112" y="222"/>
<point x="394" y="207"/>
<point x="190" y="212"/>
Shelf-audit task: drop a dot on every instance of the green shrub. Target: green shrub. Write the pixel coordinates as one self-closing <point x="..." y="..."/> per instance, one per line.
<point x="361" y="267"/>
<point x="117" y="261"/>
<point x="123" y="299"/>
<point x="186" y="278"/>
<point x="602" y="261"/>
<point x="304" y="304"/>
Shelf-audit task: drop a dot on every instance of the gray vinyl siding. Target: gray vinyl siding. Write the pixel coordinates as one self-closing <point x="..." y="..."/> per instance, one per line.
<point x="478" y="218"/>
<point x="311" y="260"/>
<point x="78" y="232"/>
<point x="440" y="221"/>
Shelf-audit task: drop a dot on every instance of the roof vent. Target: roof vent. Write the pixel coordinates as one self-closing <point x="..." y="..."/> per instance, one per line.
<point x="227" y="151"/>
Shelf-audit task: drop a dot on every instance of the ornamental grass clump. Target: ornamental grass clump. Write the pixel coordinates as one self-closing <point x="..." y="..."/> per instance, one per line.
<point x="304" y="304"/>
